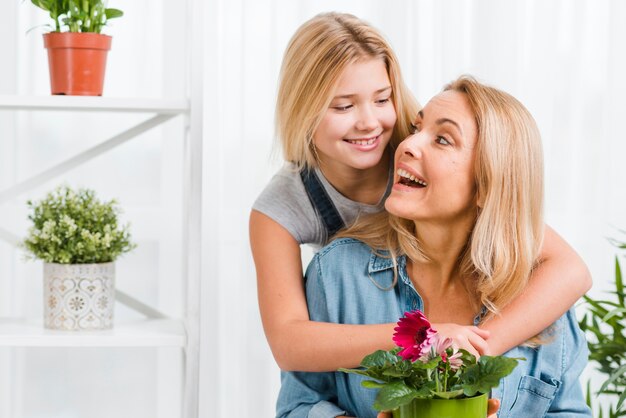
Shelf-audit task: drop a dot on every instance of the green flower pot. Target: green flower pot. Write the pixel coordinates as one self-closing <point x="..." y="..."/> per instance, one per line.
<point x="475" y="407"/>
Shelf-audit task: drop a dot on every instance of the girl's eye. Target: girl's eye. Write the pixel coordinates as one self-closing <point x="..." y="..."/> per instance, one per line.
<point x="383" y="101"/>
<point x="342" y="108"/>
<point x="442" y="141"/>
<point x="413" y="128"/>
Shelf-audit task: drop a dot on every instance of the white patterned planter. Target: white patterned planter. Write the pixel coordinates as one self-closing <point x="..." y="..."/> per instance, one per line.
<point x="79" y="296"/>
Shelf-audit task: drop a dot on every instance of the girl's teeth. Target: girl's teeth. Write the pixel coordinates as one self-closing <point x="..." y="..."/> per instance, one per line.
<point x="368" y="142"/>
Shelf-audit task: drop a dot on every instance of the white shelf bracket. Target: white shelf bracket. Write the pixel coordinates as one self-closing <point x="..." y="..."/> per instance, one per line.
<point x="135" y="304"/>
<point x="67" y="165"/>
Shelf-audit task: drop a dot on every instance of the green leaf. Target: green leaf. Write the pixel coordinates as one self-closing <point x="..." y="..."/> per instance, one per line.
<point x="401" y="369"/>
<point x="613" y="313"/>
<point x="113" y="13"/>
<point x="359" y="372"/>
<point x="379" y="358"/>
<point x="619" y="373"/>
<point x="486" y="374"/>
<point x="372" y="384"/>
<point x="394" y="395"/>
<point x="620" y="402"/>
<point x="619" y="285"/>
<point x="431" y="364"/>
<point x="43" y="4"/>
<point x="448" y="395"/>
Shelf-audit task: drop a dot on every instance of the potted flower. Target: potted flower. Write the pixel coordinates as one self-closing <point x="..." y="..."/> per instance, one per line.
<point x="604" y="325"/>
<point x="77" y="56"/>
<point x="427" y="377"/>
<point x="78" y="238"/>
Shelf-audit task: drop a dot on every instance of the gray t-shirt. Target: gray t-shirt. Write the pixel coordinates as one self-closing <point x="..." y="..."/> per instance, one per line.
<point x="285" y="200"/>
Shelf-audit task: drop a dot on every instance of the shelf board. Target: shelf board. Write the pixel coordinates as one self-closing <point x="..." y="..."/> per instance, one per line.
<point x="94" y="104"/>
<point x="140" y="333"/>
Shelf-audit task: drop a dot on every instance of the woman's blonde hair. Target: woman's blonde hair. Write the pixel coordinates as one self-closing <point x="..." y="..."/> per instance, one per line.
<point x="504" y="244"/>
<point x="315" y="58"/>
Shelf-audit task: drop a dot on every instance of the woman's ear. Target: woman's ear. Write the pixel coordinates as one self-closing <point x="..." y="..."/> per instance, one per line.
<point x="480" y="200"/>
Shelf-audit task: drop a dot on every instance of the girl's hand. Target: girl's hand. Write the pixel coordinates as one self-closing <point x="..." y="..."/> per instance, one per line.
<point x="492" y="407"/>
<point x="467" y="337"/>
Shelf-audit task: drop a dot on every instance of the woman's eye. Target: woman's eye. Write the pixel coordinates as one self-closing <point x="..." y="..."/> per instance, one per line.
<point x="342" y="108"/>
<point x="413" y="128"/>
<point x="442" y="141"/>
<point x="383" y="101"/>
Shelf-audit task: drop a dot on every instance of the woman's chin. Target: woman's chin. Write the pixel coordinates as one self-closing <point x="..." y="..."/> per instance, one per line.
<point x="400" y="208"/>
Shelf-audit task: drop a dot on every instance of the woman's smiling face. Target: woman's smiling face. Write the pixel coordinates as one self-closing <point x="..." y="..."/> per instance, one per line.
<point x="434" y="167"/>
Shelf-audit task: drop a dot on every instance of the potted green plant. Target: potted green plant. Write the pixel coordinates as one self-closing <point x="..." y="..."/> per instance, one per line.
<point x="604" y="325"/>
<point x="77" y="51"/>
<point x="78" y="238"/>
<point x="426" y="377"/>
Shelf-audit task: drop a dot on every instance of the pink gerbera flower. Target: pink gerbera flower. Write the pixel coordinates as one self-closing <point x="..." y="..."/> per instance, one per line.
<point x="414" y="334"/>
<point x="440" y="348"/>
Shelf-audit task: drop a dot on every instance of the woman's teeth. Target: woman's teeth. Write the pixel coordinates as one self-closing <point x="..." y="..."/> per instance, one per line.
<point x="408" y="176"/>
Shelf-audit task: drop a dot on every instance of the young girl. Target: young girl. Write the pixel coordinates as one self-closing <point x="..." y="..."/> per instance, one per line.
<point x="342" y="108"/>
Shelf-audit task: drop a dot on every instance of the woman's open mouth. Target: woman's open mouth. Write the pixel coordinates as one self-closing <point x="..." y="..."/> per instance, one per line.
<point x="410" y="180"/>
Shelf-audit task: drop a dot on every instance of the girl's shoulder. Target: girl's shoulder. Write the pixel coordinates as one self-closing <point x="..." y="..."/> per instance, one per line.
<point x="284" y="200"/>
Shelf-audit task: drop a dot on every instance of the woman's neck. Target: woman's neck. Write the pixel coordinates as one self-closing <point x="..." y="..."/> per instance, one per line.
<point x="360" y="185"/>
<point x="447" y="295"/>
<point x="443" y="245"/>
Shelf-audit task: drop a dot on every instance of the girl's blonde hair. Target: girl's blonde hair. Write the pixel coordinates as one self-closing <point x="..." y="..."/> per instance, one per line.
<point x="315" y="58"/>
<point x="504" y="244"/>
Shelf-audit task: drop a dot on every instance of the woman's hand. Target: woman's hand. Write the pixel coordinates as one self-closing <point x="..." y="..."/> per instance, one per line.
<point x="467" y="337"/>
<point x="492" y="407"/>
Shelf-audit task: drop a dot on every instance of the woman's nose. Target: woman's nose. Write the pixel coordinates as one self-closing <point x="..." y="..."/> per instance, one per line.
<point x="367" y="120"/>
<point x="411" y="146"/>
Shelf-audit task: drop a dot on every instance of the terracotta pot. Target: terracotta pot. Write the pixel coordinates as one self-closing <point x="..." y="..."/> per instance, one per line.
<point x="444" y="408"/>
<point x="77" y="62"/>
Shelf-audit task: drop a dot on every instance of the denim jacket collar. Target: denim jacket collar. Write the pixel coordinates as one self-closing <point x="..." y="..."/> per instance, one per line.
<point x="381" y="261"/>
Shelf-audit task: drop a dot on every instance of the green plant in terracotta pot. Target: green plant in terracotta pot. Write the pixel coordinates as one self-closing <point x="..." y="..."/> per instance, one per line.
<point x="78" y="237"/>
<point x="427" y="377"/>
<point x="77" y="51"/>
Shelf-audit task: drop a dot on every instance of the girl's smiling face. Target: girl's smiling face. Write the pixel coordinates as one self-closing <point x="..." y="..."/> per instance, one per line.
<point x="358" y="124"/>
<point x="434" y="167"/>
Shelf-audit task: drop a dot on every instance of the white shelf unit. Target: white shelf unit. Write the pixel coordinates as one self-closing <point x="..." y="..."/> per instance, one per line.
<point x="141" y="333"/>
<point x="156" y="330"/>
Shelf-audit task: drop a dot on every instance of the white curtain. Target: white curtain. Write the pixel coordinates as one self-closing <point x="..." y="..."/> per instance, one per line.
<point x="563" y="59"/>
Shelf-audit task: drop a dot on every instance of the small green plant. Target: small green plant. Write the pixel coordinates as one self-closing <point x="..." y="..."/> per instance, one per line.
<point x="604" y="325"/>
<point x="78" y="15"/>
<point x="427" y="366"/>
<point x="74" y="227"/>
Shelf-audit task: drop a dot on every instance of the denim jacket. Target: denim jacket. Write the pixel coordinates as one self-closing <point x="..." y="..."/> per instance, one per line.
<point x="340" y="288"/>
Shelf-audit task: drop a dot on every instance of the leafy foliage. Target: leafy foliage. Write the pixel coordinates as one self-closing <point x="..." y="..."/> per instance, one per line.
<point x="604" y="325"/>
<point x="486" y="374"/>
<point x="78" y="15"/>
<point x="400" y="381"/>
<point x="76" y="228"/>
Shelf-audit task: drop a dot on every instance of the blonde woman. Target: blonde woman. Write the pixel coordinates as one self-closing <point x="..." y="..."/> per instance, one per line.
<point x="462" y="235"/>
<point x="342" y="109"/>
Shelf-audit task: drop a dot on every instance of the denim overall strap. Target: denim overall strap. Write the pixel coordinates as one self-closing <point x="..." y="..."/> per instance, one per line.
<point x="321" y="202"/>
